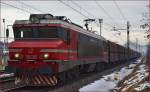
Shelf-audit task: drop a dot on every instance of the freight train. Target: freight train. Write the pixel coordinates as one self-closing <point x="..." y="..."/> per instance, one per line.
<point x="50" y="49"/>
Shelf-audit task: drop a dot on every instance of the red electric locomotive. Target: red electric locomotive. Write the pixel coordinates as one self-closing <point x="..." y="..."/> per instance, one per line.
<point x="48" y="49"/>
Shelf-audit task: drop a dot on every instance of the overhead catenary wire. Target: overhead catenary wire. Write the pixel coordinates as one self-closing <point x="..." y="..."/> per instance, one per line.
<point x="108" y="16"/>
<point x="83" y="14"/>
<point x="93" y="16"/>
<point x="82" y="8"/>
<point x="73" y="8"/>
<point x="16" y="7"/>
<point x="89" y="12"/>
<point x="106" y="13"/>
<point x="24" y="9"/>
<point x="120" y="11"/>
<point x="32" y="7"/>
<point x="42" y="11"/>
<point x="80" y="12"/>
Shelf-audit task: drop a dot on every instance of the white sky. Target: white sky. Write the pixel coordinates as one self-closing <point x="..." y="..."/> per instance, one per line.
<point x="132" y="10"/>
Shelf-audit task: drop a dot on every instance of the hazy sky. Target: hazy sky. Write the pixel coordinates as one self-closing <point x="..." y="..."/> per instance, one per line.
<point x="107" y="10"/>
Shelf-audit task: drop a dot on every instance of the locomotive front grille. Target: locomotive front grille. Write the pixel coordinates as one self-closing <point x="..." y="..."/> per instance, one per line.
<point x="31" y="57"/>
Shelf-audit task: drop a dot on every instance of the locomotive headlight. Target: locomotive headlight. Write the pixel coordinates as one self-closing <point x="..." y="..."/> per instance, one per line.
<point x="17" y="55"/>
<point x="46" y="56"/>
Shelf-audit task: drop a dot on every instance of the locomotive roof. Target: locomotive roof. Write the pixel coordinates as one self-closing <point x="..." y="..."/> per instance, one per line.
<point x="62" y="23"/>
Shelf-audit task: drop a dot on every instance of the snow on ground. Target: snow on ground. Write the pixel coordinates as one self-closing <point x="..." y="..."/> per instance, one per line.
<point x="6" y="75"/>
<point x="137" y="81"/>
<point x="110" y="82"/>
<point x="142" y="86"/>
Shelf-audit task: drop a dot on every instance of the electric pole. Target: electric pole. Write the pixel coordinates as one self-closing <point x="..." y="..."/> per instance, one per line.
<point x="100" y="22"/>
<point x="4" y="46"/>
<point x="136" y="44"/>
<point x="4" y="34"/>
<point x="148" y="54"/>
<point x="128" y="39"/>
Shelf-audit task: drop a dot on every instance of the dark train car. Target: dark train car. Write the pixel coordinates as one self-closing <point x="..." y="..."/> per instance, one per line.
<point x="118" y="53"/>
<point x="113" y="51"/>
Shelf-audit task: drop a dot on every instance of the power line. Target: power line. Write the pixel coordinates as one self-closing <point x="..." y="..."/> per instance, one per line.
<point x="116" y="36"/>
<point x="31" y="7"/>
<point x="99" y="5"/>
<point x="88" y="13"/>
<point x="83" y="14"/>
<point x="42" y="11"/>
<point x="73" y="9"/>
<point x="15" y="7"/>
<point x="108" y="16"/>
<point x="119" y="38"/>
<point x="120" y="10"/>
<point x="82" y="8"/>
<point x="76" y="10"/>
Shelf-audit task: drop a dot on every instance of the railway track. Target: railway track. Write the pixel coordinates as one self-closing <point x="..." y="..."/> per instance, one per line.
<point x="7" y="79"/>
<point x="7" y="83"/>
<point x="70" y="86"/>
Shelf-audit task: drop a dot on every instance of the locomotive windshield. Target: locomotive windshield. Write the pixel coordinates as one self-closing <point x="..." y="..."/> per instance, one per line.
<point x="41" y="33"/>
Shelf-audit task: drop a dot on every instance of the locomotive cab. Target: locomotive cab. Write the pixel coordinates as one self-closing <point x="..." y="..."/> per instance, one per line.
<point x="39" y="46"/>
<point x="39" y="43"/>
